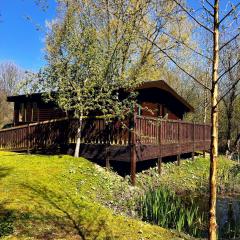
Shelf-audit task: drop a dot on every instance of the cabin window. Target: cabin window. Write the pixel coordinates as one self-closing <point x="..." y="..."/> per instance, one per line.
<point x="139" y="110"/>
<point x="165" y="112"/>
<point x="21" y="113"/>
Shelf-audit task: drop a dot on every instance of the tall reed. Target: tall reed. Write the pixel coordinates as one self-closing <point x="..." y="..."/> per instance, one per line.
<point x="166" y="209"/>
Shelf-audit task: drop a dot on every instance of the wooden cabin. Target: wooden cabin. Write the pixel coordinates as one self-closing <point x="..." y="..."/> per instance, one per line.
<point x="156" y="130"/>
<point x="156" y="98"/>
<point x="32" y="108"/>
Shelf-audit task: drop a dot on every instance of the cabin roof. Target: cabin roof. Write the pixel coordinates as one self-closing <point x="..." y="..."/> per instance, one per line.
<point x="32" y="96"/>
<point x="160" y="84"/>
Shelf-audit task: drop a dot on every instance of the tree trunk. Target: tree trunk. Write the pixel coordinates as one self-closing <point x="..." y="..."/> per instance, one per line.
<point x="230" y="109"/>
<point x="214" y="128"/>
<point x="229" y="131"/>
<point x="79" y="133"/>
<point x="205" y="106"/>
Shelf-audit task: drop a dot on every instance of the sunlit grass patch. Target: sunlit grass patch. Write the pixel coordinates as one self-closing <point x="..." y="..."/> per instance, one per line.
<point x="60" y="197"/>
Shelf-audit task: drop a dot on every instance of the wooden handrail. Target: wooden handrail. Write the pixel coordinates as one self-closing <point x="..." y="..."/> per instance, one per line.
<point x="95" y="131"/>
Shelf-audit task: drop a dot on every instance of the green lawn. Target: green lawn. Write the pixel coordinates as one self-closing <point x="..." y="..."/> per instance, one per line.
<point x="58" y="197"/>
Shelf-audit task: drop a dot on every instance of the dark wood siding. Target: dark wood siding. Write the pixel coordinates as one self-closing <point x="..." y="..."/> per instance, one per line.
<point x="16" y="114"/>
<point x="47" y="113"/>
<point x="36" y="111"/>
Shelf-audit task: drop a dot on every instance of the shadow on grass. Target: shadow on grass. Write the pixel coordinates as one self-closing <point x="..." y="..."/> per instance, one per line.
<point x="66" y="217"/>
<point x="7" y="217"/>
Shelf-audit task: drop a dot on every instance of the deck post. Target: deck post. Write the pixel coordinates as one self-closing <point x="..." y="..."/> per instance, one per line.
<point x="159" y="165"/>
<point x="193" y="152"/>
<point x="178" y="160"/>
<point x="107" y="157"/>
<point x="133" y="156"/>
<point x="179" y="144"/>
<point x="107" y="145"/>
<point x="159" y="147"/>
<point x="204" y="142"/>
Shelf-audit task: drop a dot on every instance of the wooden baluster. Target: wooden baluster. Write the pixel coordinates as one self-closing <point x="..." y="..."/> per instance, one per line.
<point x="193" y="139"/>
<point x="28" y="138"/>
<point x="204" y="141"/>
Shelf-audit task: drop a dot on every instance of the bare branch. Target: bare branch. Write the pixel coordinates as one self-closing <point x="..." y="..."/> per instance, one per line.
<point x="229" y="69"/>
<point x="211" y="5"/>
<point x="191" y="16"/>
<point x="228" y="91"/>
<point x="187" y="46"/>
<point x="181" y="68"/>
<point x="209" y="12"/>
<point x="225" y="44"/>
<point x="229" y="13"/>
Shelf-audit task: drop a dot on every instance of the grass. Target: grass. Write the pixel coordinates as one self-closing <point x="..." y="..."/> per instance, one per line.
<point x="192" y="176"/>
<point x="60" y="197"/>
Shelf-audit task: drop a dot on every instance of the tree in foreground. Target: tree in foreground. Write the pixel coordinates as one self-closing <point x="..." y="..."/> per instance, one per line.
<point x="215" y="23"/>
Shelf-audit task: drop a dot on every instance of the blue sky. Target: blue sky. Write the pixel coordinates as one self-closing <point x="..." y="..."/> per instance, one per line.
<point x="20" y="42"/>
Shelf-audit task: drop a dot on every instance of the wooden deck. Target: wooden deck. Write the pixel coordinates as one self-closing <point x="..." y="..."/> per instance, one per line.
<point x="140" y="139"/>
<point x="152" y="137"/>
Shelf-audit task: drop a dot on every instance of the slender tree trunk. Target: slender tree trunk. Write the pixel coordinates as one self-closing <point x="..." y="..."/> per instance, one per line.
<point x="229" y="128"/>
<point x="205" y="101"/>
<point x="214" y="129"/>
<point x="205" y="112"/>
<point x="230" y="109"/>
<point x="79" y="133"/>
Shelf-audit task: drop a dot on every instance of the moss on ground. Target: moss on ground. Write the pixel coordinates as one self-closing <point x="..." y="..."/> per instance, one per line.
<point x="59" y="197"/>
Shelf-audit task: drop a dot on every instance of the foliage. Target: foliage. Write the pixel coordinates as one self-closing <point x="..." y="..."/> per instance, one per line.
<point x="94" y="49"/>
<point x="164" y="208"/>
<point x="192" y="176"/>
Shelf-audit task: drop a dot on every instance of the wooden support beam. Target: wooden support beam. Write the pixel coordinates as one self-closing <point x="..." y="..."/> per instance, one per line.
<point x="133" y="165"/>
<point x="193" y="154"/>
<point x="178" y="159"/>
<point x="204" y="153"/>
<point x="107" y="157"/>
<point x="159" y="165"/>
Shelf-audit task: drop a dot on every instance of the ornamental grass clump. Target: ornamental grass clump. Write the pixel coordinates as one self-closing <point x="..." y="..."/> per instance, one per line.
<point x="166" y="209"/>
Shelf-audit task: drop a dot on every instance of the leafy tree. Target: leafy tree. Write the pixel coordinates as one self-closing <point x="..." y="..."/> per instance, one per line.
<point x="10" y="76"/>
<point x="94" y="49"/>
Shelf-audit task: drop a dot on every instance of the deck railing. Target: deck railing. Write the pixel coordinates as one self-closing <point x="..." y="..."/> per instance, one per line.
<point x="156" y="130"/>
<point x="148" y="131"/>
